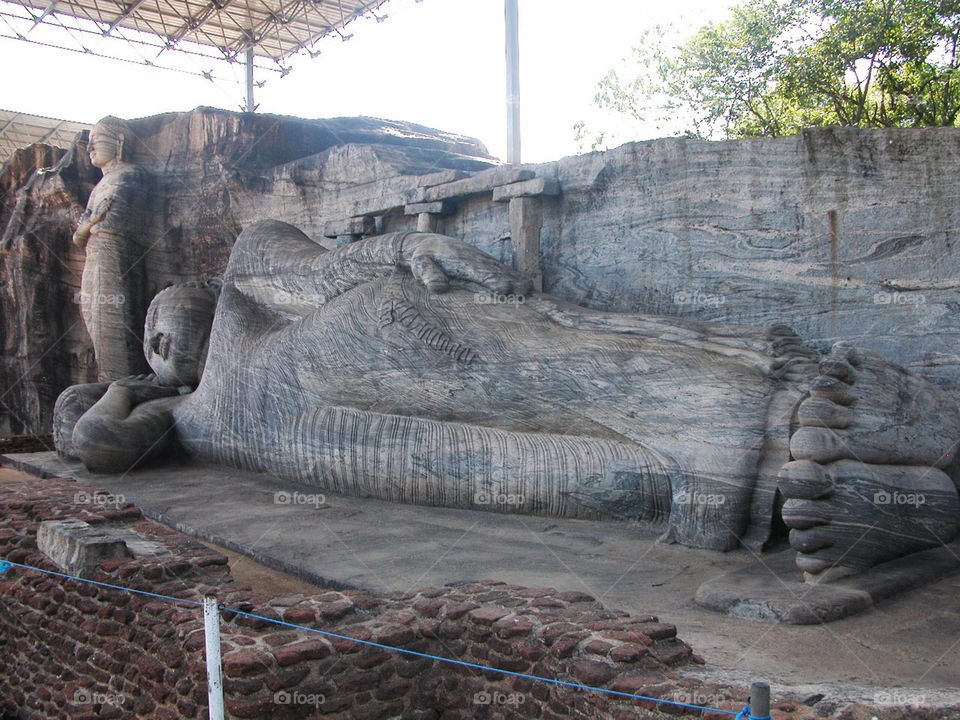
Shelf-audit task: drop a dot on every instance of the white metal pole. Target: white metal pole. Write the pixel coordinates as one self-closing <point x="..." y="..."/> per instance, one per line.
<point x="211" y="631"/>
<point x="513" y="81"/>
<point x="248" y="61"/>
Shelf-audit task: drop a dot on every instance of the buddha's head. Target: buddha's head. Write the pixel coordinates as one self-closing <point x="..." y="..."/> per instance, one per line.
<point x="177" y="331"/>
<point x="106" y="142"/>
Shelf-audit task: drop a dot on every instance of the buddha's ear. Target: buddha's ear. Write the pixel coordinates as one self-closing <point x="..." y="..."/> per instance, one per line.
<point x="121" y="136"/>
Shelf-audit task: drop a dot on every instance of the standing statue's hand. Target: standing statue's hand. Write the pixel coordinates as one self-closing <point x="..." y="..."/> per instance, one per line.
<point x="82" y="234"/>
<point x="144" y="388"/>
<point x="435" y="259"/>
<point x="89" y="220"/>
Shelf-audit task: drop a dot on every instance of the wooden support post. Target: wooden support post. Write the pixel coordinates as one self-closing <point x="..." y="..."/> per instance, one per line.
<point x="526" y="221"/>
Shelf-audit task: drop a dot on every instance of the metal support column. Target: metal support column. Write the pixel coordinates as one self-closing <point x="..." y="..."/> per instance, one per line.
<point x="248" y="60"/>
<point x="513" y="82"/>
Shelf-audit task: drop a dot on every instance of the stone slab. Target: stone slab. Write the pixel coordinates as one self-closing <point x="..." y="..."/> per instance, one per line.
<point x="528" y="188"/>
<point x="78" y="547"/>
<point x="439" y="207"/>
<point x="481" y="182"/>
<point x="350" y="226"/>
<point x="349" y="542"/>
<point x="442" y="177"/>
<point x="772" y="588"/>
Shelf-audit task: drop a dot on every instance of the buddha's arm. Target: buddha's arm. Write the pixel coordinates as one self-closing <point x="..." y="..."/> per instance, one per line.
<point x="113" y="205"/>
<point x="117" y="433"/>
<point x="278" y="265"/>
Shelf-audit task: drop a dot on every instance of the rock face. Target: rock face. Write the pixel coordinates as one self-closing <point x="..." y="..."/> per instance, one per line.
<point x="44" y="344"/>
<point x="841" y="234"/>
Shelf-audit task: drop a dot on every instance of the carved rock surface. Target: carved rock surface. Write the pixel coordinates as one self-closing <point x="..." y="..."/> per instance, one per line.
<point x="842" y="234"/>
<point x="211" y="173"/>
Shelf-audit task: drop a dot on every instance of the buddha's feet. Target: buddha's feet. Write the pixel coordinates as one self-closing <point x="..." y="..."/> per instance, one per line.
<point x="864" y="486"/>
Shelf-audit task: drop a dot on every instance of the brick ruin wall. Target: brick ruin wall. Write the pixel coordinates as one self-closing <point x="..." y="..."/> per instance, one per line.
<point x="78" y="651"/>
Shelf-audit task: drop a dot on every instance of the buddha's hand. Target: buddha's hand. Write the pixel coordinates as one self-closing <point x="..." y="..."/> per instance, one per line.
<point x="143" y="388"/>
<point x="435" y="259"/>
<point x="89" y="220"/>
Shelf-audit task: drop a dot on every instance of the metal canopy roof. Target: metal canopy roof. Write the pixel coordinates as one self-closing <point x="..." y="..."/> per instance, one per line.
<point x="274" y="29"/>
<point x="18" y="130"/>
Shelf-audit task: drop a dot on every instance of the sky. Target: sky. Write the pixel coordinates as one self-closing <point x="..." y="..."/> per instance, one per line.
<point x="435" y="62"/>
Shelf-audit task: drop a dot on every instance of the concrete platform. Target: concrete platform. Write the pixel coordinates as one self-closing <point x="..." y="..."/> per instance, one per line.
<point x="912" y="641"/>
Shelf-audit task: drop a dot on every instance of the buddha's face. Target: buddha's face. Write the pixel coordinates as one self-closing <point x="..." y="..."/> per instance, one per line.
<point x="177" y="333"/>
<point x="102" y="148"/>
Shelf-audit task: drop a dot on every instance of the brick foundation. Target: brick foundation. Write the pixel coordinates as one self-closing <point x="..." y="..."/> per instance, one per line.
<point x="78" y="651"/>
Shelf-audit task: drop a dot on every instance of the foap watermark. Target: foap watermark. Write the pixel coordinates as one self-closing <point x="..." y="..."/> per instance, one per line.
<point x="97" y="298"/>
<point x="297" y="299"/>
<point x="491" y="298"/>
<point x="98" y="498"/>
<point x="496" y="697"/>
<point x="89" y="697"/>
<point x="700" y="699"/>
<point x="884" y="497"/>
<point x="294" y="697"/>
<point x="492" y="497"/>
<point x="899" y="697"/>
<point x="284" y="497"/>
<point x="899" y="298"/>
<point x="698" y="298"/>
<point x="695" y="497"/>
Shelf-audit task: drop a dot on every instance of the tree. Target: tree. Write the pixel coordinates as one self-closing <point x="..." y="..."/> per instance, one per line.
<point x="777" y="66"/>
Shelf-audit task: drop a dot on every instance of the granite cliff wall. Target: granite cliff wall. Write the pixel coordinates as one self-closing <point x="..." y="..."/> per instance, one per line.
<point x="841" y="233"/>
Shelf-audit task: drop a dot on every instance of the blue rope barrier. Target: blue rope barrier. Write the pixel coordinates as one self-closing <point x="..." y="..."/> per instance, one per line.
<point x="746" y="715"/>
<point x="739" y="716"/>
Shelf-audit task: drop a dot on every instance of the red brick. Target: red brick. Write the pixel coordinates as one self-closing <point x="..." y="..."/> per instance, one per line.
<point x="488" y="615"/>
<point x="658" y="631"/>
<point x="248" y="661"/>
<point x="628" y="636"/>
<point x="393" y="635"/>
<point x="592" y="672"/>
<point x="300" y="615"/>
<point x="336" y="610"/>
<point x="564" y="646"/>
<point x="151" y="667"/>
<point x="597" y="647"/>
<point x="513" y="627"/>
<point x="251" y="707"/>
<point x="670" y="653"/>
<point x="298" y="652"/>
<point x="554" y="630"/>
<point x="428" y="607"/>
<point x="286" y="678"/>
<point x="357" y="682"/>
<point x="628" y="653"/>
<point x="458" y="610"/>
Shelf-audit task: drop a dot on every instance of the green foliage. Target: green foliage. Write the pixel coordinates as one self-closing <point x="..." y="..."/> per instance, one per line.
<point x="777" y="66"/>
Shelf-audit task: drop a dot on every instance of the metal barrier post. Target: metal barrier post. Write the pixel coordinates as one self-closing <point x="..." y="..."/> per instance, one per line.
<point x="759" y="700"/>
<point x="211" y="631"/>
